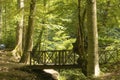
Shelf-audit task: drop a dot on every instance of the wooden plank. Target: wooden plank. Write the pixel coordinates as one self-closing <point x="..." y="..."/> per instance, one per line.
<point x="52" y="66"/>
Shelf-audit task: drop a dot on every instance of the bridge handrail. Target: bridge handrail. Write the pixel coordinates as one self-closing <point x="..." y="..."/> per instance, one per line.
<point x="57" y="57"/>
<point x="105" y="56"/>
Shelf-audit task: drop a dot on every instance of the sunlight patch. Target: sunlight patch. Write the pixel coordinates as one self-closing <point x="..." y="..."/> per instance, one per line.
<point x="97" y="70"/>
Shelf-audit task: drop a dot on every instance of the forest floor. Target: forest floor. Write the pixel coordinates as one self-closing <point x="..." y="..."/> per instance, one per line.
<point x="111" y="72"/>
<point x="9" y="70"/>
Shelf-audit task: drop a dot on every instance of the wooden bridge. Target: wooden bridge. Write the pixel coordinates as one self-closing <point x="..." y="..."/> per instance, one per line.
<point x="67" y="58"/>
<point x="54" y="59"/>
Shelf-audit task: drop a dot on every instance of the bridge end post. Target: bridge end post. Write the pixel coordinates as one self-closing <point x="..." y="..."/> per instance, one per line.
<point x="30" y="59"/>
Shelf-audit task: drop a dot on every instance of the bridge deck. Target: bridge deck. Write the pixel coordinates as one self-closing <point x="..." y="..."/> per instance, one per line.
<point x="53" y="66"/>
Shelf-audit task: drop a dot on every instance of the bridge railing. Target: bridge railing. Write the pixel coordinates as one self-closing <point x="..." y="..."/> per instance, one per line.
<point x="109" y="56"/>
<point x="68" y="57"/>
<point x="54" y="57"/>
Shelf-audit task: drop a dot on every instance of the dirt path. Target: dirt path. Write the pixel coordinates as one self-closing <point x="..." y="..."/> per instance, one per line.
<point x="8" y="69"/>
<point x="7" y="62"/>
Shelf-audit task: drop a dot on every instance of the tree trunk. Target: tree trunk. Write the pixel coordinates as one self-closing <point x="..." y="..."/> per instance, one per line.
<point x="0" y="21"/>
<point x="80" y="32"/>
<point x="78" y="46"/>
<point x="17" y="52"/>
<point x="29" y="35"/>
<point x="93" y="61"/>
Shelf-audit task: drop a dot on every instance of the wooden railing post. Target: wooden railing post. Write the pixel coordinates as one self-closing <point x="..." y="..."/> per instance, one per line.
<point x="30" y="58"/>
<point x="59" y="58"/>
<point x="74" y="55"/>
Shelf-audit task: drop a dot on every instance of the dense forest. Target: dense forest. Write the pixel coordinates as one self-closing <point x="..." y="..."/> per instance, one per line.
<point x="90" y="28"/>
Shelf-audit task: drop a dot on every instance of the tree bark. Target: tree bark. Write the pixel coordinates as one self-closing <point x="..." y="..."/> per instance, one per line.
<point x="0" y="21"/>
<point x="80" y="32"/>
<point x="81" y="60"/>
<point x="29" y="35"/>
<point x="17" y="52"/>
<point x="78" y="46"/>
<point x="93" y="61"/>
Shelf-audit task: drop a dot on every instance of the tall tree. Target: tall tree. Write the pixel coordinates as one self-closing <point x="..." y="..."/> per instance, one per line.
<point x="0" y="20"/>
<point x="29" y="35"/>
<point x="19" y="30"/>
<point x="80" y="38"/>
<point x="93" y="61"/>
<point x="79" y="45"/>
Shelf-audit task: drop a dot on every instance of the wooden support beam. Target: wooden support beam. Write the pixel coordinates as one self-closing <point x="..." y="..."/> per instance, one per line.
<point x="52" y="66"/>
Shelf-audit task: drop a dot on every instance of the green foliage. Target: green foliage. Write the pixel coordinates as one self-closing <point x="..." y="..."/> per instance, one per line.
<point x="55" y="37"/>
<point x="108" y="24"/>
<point x="8" y="39"/>
<point x="58" y="21"/>
<point x="72" y="75"/>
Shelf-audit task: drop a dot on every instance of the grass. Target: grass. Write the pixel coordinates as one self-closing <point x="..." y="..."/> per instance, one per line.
<point x="72" y="74"/>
